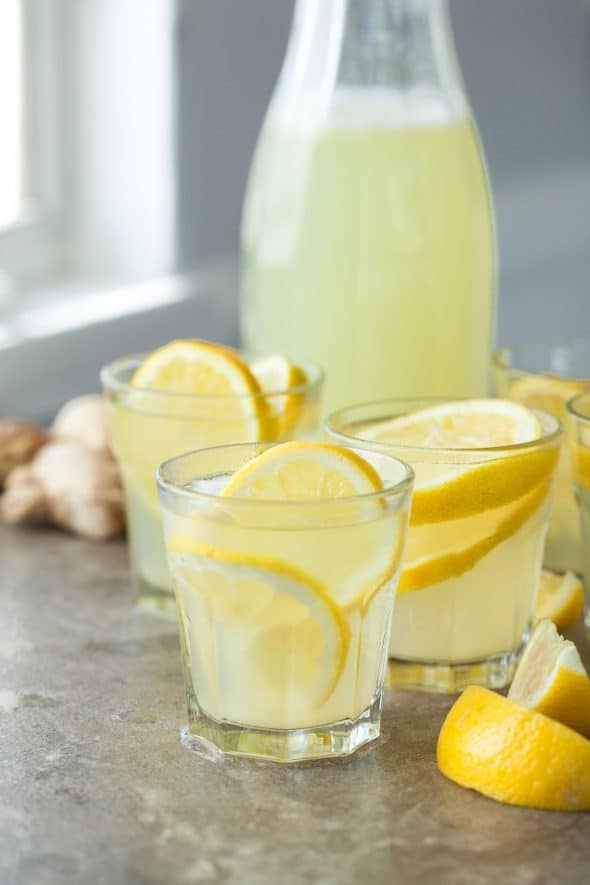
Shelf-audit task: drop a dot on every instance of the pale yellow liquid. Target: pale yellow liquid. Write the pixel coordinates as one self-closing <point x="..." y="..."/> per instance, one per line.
<point x="369" y="247"/>
<point x="482" y="613"/>
<point x="251" y="661"/>
<point x="485" y="610"/>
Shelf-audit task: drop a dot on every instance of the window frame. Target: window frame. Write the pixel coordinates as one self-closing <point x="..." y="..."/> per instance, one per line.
<point x="30" y="248"/>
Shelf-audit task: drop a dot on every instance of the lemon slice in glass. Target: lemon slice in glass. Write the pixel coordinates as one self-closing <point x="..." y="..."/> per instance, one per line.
<point x="277" y="374"/>
<point x="264" y="627"/>
<point x="454" y="490"/>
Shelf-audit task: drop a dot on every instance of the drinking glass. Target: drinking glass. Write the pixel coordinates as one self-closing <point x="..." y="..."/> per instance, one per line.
<point x="148" y="426"/>
<point x="477" y="529"/>
<point x="284" y="607"/>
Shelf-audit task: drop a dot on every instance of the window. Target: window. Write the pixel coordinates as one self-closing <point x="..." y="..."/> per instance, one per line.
<point x="12" y="155"/>
<point x="29" y="247"/>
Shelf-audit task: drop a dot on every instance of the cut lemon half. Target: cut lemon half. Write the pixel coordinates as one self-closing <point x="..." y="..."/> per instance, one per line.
<point x="453" y="490"/>
<point x="552" y="679"/>
<point x="561" y="599"/>
<point x="304" y="471"/>
<point x="490" y="744"/>
<point x="276" y="376"/>
<point x="280" y="639"/>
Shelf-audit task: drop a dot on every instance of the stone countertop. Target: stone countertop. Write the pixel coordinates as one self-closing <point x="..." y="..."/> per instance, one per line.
<point x="97" y="788"/>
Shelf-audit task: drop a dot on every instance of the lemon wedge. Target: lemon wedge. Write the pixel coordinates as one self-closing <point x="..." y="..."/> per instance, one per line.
<point x="490" y="744"/>
<point x="561" y="599"/>
<point x="303" y="471"/>
<point x="265" y="627"/>
<point x="551" y="679"/>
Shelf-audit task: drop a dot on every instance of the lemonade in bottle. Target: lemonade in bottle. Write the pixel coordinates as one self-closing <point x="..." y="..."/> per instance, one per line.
<point x="367" y="237"/>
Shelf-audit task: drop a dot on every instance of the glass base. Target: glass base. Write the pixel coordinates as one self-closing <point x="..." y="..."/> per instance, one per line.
<point x="297" y="745"/>
<point x="494" y="672"/>
<point x="157" y="600"/>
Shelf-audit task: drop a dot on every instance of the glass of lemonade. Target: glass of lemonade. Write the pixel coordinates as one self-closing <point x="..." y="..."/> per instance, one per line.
<point x="284" y="606"/>
<point x="149" y="426"/>
<point x="473" y="559"/>
<point x="545" y="375"/>
<point x="578" y="431"/>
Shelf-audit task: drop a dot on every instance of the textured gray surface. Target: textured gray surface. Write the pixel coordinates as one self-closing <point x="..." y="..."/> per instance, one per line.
<point x="95" y="786"/>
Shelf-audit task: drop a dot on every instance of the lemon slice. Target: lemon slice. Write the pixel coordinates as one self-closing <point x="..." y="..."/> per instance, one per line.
<point x="196" y="367"/>
<point x="552" y="680"/>
<point x="464" y="424"/>
<point x="227" y="406"/>
<point x="561" y="599"/>
<point x="275" y="375"/>
<point x="511" y="754"/>
<point x="273" y="630"/>
<point x="546" y="392"/>
<point x="581" y="463"/>
<point x="435" y="555"/>
<point x="452" y="491"/>
<point x="304" y="471"/>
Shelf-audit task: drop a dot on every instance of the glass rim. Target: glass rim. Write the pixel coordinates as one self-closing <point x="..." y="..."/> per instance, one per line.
<point x="546" y="437"/>
<point x="396" y="489"/>
<point x="110" y="381"/>
<point x="501" y="357"/>
<point x="571" y="407"/>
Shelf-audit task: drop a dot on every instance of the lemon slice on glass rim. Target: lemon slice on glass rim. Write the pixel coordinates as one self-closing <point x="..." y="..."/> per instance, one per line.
<point x="304" y="471"/>
<point x="446" y="487"/>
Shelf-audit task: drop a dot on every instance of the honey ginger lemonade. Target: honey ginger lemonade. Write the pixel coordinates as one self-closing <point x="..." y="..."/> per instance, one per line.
<point x="284" y="561"/>
<point x="184" y="396"/>
<point x="338" y="240"/>
<point x="484" y="474"/>
<point x="367" y="233"/>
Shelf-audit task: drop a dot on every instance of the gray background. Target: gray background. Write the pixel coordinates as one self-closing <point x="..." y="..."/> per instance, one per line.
<point x="526" y="64"/>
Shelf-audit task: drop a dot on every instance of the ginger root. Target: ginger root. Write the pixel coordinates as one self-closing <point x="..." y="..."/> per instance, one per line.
<point x="71" y="485"/>
<point x="84" y="420"/>
<point x="67" y="476"/>
<point x="19" y="442"/>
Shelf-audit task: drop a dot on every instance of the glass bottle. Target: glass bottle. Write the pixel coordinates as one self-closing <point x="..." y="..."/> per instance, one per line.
<point x="368" y="231"/>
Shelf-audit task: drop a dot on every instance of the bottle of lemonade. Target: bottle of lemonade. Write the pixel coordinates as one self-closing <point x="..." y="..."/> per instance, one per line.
<point x="368" y="234"/>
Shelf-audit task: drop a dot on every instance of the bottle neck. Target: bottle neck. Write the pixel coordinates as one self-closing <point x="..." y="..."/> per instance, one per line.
<point x="400" y="46"/>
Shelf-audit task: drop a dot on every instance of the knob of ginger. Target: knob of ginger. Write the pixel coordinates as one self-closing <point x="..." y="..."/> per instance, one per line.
<point x="71" y="485"/>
